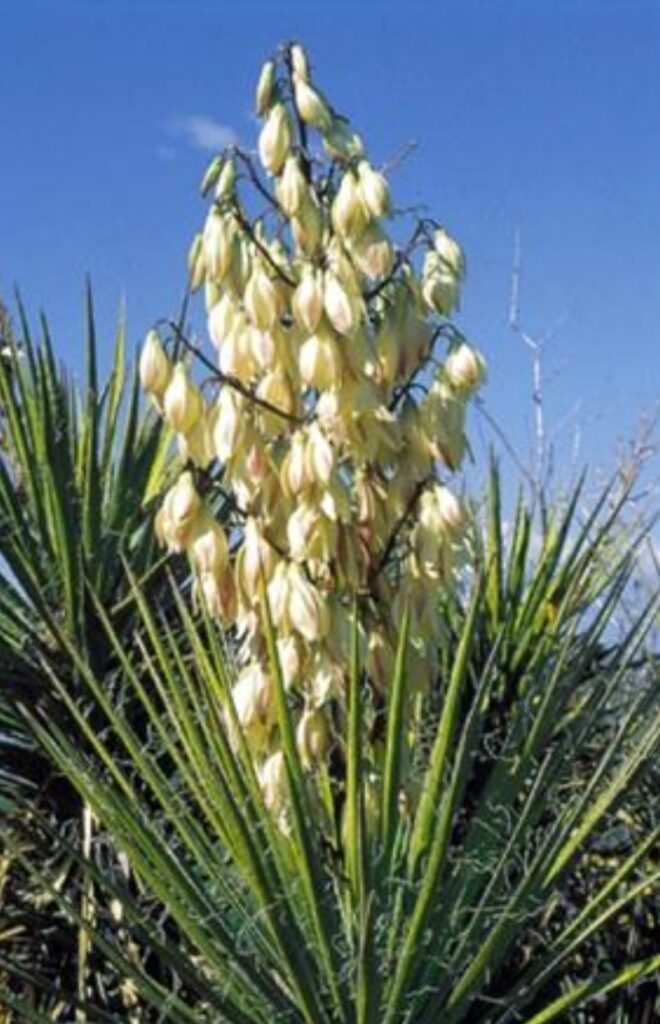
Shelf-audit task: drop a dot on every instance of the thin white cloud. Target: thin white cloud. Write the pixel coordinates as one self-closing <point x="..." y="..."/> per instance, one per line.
<point x="166" y="153"/>
<point x="202" y="132"/>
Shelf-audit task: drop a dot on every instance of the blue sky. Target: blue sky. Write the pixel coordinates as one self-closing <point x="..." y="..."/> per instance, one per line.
<point x="538" y="116"/>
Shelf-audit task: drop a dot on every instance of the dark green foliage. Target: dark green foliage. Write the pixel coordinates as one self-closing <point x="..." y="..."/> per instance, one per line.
<point x="520" y="883"/>
<point x="78" y="468"/>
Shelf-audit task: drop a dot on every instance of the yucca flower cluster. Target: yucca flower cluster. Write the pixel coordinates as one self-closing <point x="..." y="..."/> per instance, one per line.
<point x="330" y="422"/>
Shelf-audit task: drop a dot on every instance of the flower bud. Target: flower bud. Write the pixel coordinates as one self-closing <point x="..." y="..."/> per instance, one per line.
<point x="450" y="252"/>
<point x="207" y="546"/>
<point x="337" y="304"/>
<point x="291" y="188"/>
<point x="319" y="456"/>
<point x="211" y="174"/>
<point x="319" y="361"/>
<point x="229" y="423"/>
<point x="258" y="559"/>
<point x="294" y="473"/>
<point x="196" y="265"/>
<point x="311" y="107"/>
<point x="307" y="610"/>
<point x="218" y="237"/>
<point x="299" y="62"/>
<point x="374" y="190"/>
<point x="465" y="369"/>
<point x="288" y="654"/>
<point x="348" y="213"/>
<point x="265" y="88"/>
<point x="307" y="301"/>
<point x="226" y="181"/>
<point x="262" y="301"/>
<point x="252" y="697"/>
<point x="256" y="462"/>
<point x="279" y="593"/>
<point x="313" y="737"/>
<point x="221" y="319"/>
<point x="155" y="367"/>
<point x="183" y="404"/>
<point x="275" y="139"/>
<point x="273" y="782"/>
<point x="240" y="266"/>
<point x="178" y="513"/>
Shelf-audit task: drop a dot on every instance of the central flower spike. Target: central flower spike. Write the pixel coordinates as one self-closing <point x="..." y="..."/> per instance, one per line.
<point x="335" y="417"/>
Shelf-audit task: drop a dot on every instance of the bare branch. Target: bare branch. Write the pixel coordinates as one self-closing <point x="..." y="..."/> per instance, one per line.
<point x="407" y="150"/>
<point x="514" y="304"/>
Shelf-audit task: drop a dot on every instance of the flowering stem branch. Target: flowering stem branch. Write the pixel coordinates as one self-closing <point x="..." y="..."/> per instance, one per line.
<point x="232" y="382"/>
<point x="404" y="389"/>
<point x="247" y="228"/>
<point x="256" y="181"/>
<point x="300" y="124"/>
<point x="398" y="526"/>
<point x="401" y="257"/>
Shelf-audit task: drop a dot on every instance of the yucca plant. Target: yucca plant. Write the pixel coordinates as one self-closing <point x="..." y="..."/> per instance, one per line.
<point x="78" y="467"/>
<point x="465" y="904"/>
<point x="360" y="779"/>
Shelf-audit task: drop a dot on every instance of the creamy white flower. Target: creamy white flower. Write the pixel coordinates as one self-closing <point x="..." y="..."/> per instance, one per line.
<point x="261" y="299"/>
<point x="311" y="105"/>
<point x="155" y="367"/>
<point x="272" y="779"/>
<point x="207" y="546"/>
<point x="307" y="610"/>
<point x="183" y="405"/>
<point x="338" y="307"/>
<point x="275" y="139"/>
<point x="319" y="361"/>
<point x="292" y="186"/>
<point x="465" y="369"/>
<point x="307" y="301"/>
<point x="374" y="190"/>
<point x="228" y="424"/>
<point x="313" y="737"/>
